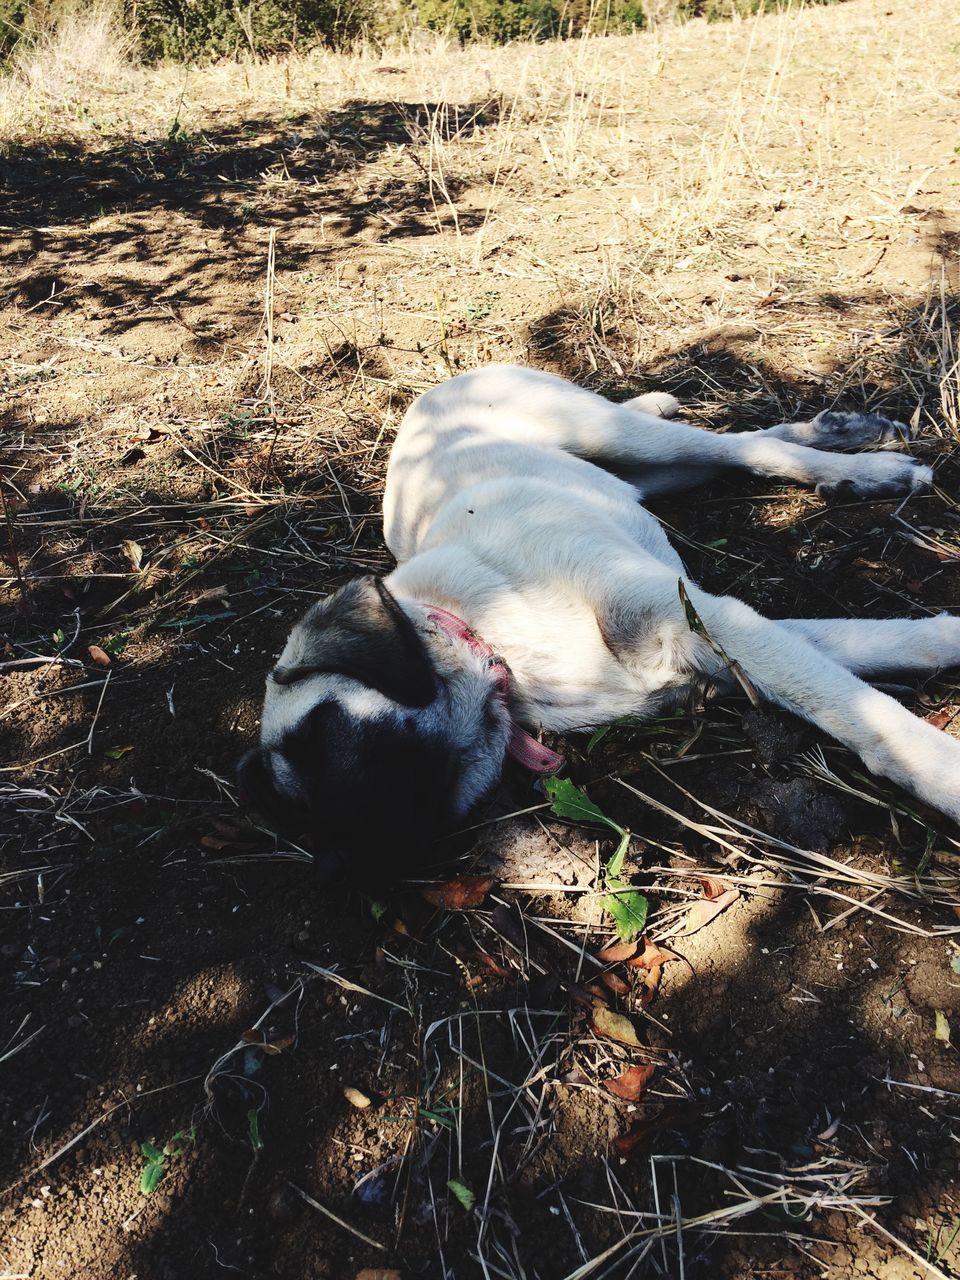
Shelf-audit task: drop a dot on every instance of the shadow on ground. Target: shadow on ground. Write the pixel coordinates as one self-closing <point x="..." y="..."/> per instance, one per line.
<point x="140" y="942"/>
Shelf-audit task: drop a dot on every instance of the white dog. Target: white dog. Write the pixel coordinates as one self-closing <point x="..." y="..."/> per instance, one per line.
<point x="533" y="589"/>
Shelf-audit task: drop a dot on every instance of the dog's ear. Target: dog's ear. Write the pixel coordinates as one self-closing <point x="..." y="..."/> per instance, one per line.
<point x="361" y="632"/>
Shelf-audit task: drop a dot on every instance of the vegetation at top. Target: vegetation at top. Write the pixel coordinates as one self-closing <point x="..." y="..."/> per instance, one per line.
<point x="205" y="30"/>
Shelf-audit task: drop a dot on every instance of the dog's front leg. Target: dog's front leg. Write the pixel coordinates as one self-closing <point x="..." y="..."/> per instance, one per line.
<point x="874" y="646"/>
<point x="789" y="670"/>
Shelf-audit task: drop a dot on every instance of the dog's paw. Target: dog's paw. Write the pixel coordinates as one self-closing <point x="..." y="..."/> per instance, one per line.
<point x="938" y="643"/>
<point x="661" y="404"/>
<point x="834" y="430"/>
<point x="877" y="475"/>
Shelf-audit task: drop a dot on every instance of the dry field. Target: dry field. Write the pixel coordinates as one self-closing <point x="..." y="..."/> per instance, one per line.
<point x="218" y="291"/>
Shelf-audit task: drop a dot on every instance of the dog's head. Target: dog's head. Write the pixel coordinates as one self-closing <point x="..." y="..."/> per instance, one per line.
<point x="369" y="741"/>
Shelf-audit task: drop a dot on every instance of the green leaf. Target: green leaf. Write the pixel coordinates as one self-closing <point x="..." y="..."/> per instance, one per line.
<point x="694" y="621"/>
<point x="151" y="1177"/>
<point x="253" y="1129"/>
<point x="598" y="736"/>
<point x="153" y="1171"/>
<point x="463" y="1193"/>
<point x="150" y="1152"/>
<point x="955" y="963"/>
<point x="628" y="908"/>
<point x="436" y="1117"/>
<point x="378" y="909"/>
<point x="615" y="865"/>
<point x="568" y="801"/>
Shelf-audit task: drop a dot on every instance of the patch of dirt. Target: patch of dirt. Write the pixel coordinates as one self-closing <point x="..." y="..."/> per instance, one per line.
<point x="208" y="337"/>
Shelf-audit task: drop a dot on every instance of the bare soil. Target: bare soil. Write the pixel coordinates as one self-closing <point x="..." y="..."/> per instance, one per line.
<point x="218" y="294"/>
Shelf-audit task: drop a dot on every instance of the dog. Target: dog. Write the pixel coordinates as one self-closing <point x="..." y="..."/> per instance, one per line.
<point x="533" y="591"/>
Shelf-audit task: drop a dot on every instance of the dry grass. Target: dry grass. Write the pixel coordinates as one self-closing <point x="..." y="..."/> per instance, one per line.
<point x="80" y="55"/>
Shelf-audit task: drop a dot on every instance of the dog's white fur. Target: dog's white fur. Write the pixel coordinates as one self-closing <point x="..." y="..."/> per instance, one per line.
<point x="503" y="508"/>
<point x="495" y="510"/>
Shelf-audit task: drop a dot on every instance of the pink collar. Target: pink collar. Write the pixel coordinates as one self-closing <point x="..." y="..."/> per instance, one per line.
<point x="524" y="748"/>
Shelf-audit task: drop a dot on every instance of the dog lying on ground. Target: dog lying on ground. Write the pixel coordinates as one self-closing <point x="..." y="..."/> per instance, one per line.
<point x="533" y="589"/>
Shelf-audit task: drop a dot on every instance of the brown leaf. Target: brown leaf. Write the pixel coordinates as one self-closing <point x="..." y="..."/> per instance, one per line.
<point x="940" y="719"/>
<point x="646" y="1128"/>
<point x="652" y="956"/>
<point x="465" y="891"/>
<point x="615" y="983"/>
<point x="649" y="982"/>
<point x="614" y="1026"/>
<point x="259" y="1041"/>
<point x="378" y="1273"/>
<point x="631" y="1083"/>
<point x="701" y="913"/>
<point x="616" y="952"/>
<point x="134" y="554"/>
<point x="98" y="655"/>
<point x="638" y="1131"/>
<point x="587" y="996"/>
<point x="713" y="887"/>
<point x="494" y="966"/>
<point x="216" y="843"/>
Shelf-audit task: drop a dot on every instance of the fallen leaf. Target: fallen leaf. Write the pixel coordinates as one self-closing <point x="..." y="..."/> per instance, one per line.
<point x="638" y="1131"/>
<point x="646" y="1128"/>
<point x="494" y="966"/>
<point x="615" y="983"/>
<point x="701" y="913"/>
<point x="117" y="753"/>
<point x="463" y="1193"/>
<point x="649" y="982"/>
<point x="614" y="1026"/>
<point x="631" y="1083"/>
<point x="356" y="1098"/>
<point x="652" y="956"/>
<point x="465" y="891"/>
<point x="257" y="1040"/>
<point x="940" y="719"/>
<point x="98" y="655"/>
<point x="942" y="1029"/>
<point x="216" y="843"/>
<point x="616" y="952"/>
<point x="133" y="552"/>
<point x="587" y="996"/>
<point x="712" y="887"/>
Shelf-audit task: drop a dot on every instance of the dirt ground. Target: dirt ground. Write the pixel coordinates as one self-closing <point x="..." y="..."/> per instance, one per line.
<point x="219" y="291"/>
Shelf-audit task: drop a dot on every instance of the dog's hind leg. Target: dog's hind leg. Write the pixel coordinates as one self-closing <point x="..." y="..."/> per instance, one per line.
<point x="828" y="431"/>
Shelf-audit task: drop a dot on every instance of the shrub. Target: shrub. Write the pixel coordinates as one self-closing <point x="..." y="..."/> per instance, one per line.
<point x="501" y="20"/>
<point x="194" y="30"/>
